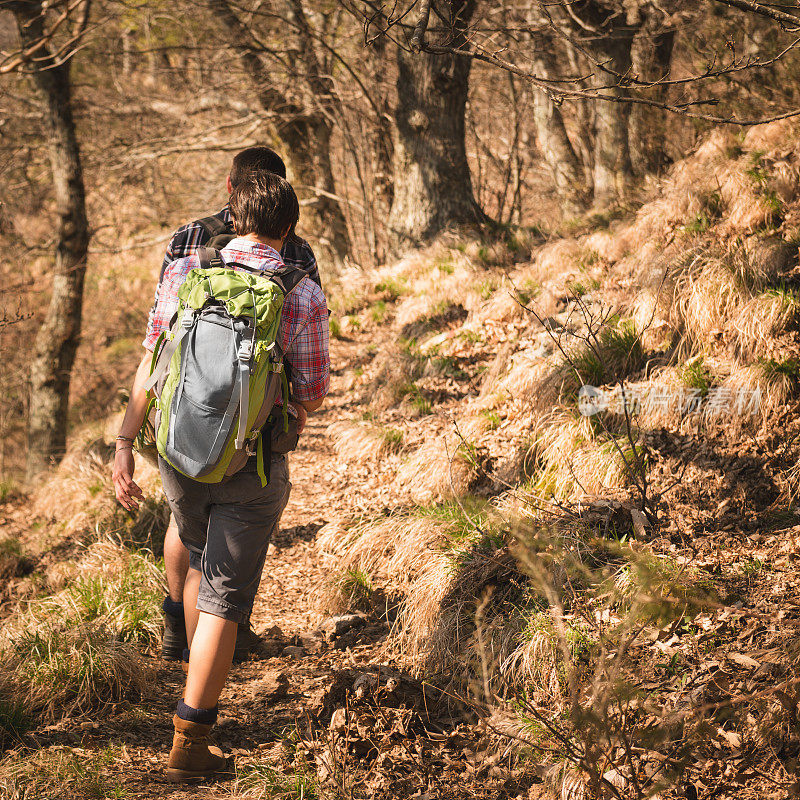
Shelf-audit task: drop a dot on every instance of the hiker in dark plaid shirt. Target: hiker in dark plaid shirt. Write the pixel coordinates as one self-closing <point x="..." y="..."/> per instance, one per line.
<point x="296" y="252"/>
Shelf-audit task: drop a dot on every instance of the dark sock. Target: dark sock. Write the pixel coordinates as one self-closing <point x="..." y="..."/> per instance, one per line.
<point x="203" y="716"/>
<point x="185" y="656"/>
<point x="172" y="608"/>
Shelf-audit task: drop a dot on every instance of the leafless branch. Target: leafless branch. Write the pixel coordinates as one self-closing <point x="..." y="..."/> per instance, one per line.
<point x="418" y="37"/>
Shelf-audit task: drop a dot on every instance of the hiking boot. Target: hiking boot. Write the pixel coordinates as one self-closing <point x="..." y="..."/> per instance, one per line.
<point x="174" y="641"/>
<point x="191" y="758"/>
<point x="247" y="640"/>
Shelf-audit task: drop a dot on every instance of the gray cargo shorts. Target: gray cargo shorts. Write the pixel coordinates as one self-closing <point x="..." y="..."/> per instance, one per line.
<point x="226" y="527"/>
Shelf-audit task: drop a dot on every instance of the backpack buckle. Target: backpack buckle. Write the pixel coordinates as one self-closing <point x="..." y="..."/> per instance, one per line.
<point x="251" y="444"/>
<point x="245" y="349"/>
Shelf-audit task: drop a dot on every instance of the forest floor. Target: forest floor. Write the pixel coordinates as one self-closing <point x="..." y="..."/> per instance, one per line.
<point x="398" y="737"/>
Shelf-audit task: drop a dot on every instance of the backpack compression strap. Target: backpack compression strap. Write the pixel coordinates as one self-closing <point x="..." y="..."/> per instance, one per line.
<point x="168" y="349"/>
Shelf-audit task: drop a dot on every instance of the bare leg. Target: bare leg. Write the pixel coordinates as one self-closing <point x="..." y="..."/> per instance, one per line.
<point x="176" y="561"/>
<point x="210" y="659"/>
<point x="190" y="612"/>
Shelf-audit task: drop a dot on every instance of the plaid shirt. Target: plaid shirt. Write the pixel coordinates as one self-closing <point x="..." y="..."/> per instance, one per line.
<point x="303" y="332"/>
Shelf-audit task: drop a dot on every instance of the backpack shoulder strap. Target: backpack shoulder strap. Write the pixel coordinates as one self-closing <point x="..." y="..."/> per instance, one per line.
<point x="210" y="258"/>
<point x="213" y="226"/>
<point x="287" y="277"/>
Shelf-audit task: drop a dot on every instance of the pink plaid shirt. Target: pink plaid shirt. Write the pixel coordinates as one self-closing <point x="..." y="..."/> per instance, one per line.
<point x="303" y="332"/>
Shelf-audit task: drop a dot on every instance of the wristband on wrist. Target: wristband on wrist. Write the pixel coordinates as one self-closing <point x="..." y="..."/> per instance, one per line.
<point x="124" y="447"/>
<point x="123" y="439"/>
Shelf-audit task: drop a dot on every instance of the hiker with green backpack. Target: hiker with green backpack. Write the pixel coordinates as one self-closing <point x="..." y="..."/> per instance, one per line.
<point x="216" y="231"/>
<point x="224" y="325"/>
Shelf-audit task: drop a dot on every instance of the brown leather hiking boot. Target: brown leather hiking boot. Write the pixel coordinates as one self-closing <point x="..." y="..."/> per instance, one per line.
<point x="247" y="640"/>
<point x="191" y="757"/>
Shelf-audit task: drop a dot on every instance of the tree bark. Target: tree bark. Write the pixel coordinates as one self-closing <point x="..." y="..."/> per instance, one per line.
<point x="603" y="31"/>
<point x="432" y="183"/>
<point x="551" y="134"/>
<point x="58" y="337"/>
<point x="613" y="171"/>
<point x="306" y="135"/>
<point x="651" y="57"/>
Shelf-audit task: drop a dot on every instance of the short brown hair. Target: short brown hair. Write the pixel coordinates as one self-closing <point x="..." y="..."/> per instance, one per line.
<point x="256" y="159"/>
<point x="264" y="204"/>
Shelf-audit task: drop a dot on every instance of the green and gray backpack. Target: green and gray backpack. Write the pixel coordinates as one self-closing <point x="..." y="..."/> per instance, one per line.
<point x="218" y="371"/>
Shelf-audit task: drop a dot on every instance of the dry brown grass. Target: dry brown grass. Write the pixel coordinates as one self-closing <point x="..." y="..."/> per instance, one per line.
<point x="532" y="379"/>
<point x="761" y="319"/>
<point x="58" y="671"/>
<point x="705" y="297"/>
<point x="391" y="374"/>
<point x="364" y="442"/>
<point x="572" y="461"/>
<point x="391" y="549"/>
<point x="535" y="662"/>
<point x="79" y="495"/>
<point x="74" y="652"/>
<point x="436" y="560"/>
<point x="757" y="391"/>
<point x="437" y="631"/>
<point x="444" y="467"/>
<point x="12" y="558"/>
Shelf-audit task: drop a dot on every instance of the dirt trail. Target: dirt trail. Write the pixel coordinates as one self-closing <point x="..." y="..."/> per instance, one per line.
<point x="292" y="575"/>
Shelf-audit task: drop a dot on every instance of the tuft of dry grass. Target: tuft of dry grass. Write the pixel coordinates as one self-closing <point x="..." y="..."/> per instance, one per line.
<point x="74" y="652"/>
<point x="392" y="373"/>
<point x="436" y="629"/>
<point x="363" y="442"/>
<point x="261" y="779"/>
<point x="79" y="495"/>
<point x="49" y="773"/>
<point x="12" y="558"/>
<point x="757" y="391"/>
<point x="441" y="469"/>
<point x="570" y="462"/>
<point x="438" y="559"/>
<point x="120" y="588"/>
<point x="706" y="295"/>
<point x="762" y="318"/>
<point x="56" y="670"/>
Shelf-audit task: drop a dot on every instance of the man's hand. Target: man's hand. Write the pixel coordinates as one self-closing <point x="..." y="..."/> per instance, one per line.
<point x="125" y="487"/>
<point x="302" y="416"/>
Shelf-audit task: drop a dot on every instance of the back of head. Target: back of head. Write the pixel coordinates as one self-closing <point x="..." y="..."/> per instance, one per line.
<point x="256" y="159"/>
<point x="265" y="204"/>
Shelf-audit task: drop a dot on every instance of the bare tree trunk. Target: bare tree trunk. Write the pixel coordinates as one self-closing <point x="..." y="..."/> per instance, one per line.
<point x="606" y="33"/>
<point x="382" y="144"/>
<point x="613" y="171"/>
<point x="651" y="57"/>
<point x="432" y="184"/>
<point x="306" y="134"/>
<point x="552" y="136"/>
<point x="127" y="52"/>
<point x="58" y="337"/>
